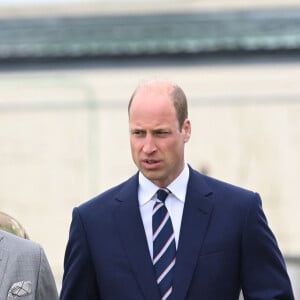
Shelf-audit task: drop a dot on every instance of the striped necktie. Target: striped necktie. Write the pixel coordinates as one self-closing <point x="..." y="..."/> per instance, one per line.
<point x="164" y="248"/>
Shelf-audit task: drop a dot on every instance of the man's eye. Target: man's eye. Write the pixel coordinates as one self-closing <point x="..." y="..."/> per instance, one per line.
<point x="137" y="132"/>
<point x="162" y="133"/>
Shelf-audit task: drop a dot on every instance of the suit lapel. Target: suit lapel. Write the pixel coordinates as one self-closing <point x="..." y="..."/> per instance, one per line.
<point x="195" y="220"/>
<point x="131" y="229"/>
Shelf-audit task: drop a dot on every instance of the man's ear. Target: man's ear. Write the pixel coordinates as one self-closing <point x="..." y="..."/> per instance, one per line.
<point x="187" y="130"/>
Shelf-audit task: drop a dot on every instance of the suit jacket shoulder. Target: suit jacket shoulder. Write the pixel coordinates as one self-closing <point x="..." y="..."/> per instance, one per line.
<point x="125" y="189"/>
<point x="25" y="260"/>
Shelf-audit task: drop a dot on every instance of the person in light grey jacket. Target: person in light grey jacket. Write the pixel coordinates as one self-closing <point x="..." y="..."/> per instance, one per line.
<point x="24" y="270"/>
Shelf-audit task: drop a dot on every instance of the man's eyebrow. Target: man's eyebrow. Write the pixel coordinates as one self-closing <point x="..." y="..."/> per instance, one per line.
<point x="161" y="129"/>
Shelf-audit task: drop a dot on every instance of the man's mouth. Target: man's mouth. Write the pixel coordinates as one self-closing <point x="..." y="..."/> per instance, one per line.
<point x="151" y="163"/>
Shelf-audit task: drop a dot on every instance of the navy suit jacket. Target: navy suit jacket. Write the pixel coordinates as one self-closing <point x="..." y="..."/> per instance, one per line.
<point x="225" y="245"/>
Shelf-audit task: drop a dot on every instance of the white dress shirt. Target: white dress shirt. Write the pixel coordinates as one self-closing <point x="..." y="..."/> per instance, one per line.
<point x="174" y="203"/>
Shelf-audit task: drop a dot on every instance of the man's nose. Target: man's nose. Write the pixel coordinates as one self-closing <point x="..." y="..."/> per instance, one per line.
<point x="149" y="145"/>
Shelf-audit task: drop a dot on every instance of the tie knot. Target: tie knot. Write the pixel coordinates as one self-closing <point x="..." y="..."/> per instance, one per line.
<point x="162" y="194"/>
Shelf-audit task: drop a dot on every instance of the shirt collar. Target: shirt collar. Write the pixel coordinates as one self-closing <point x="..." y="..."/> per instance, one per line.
<point x="178" y="186"/>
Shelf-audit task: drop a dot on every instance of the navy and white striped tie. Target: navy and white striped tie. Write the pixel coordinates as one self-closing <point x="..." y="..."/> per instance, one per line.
<point x="164" y="248"/>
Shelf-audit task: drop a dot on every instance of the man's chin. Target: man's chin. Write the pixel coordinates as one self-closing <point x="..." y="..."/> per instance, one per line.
<point x="155" y="177"/>
<point x="151" y="174"/>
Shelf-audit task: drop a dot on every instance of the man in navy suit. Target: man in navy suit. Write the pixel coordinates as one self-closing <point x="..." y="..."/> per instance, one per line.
<point x="223" y="242"/>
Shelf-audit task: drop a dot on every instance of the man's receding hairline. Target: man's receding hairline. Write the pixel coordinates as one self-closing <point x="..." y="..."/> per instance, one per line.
<point x="169" y="87"/>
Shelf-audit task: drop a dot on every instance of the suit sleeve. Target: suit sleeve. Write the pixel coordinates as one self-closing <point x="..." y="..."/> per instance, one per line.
<point x="263" y="273"/>
<point x="46" y="287"/>
<point x="79" y="279"/>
